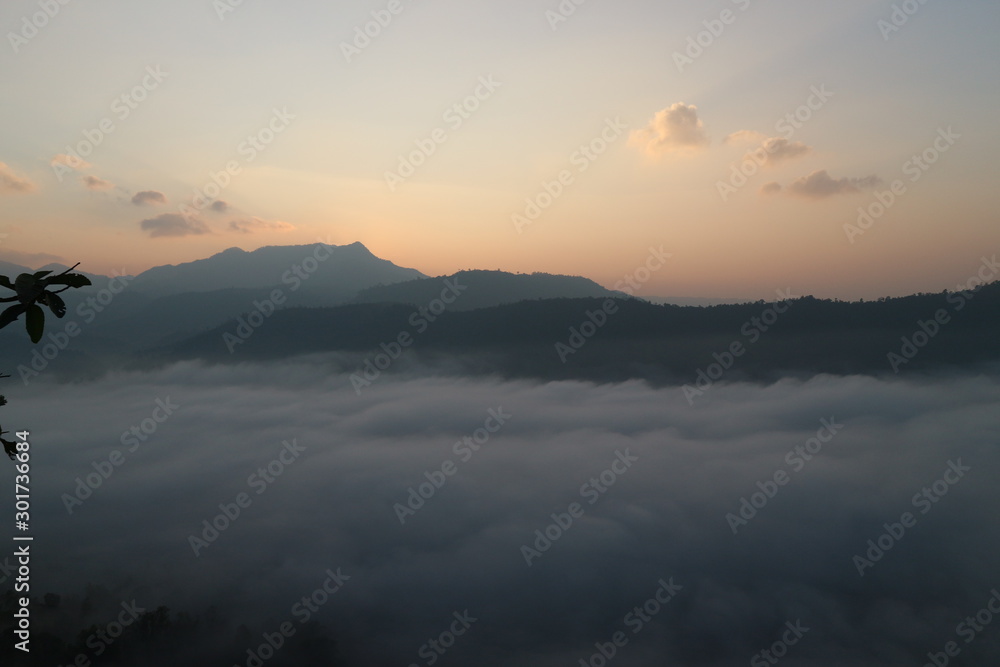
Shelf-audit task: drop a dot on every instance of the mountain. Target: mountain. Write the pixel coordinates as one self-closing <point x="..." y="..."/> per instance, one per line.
<point x="339" y="272"/>
<point x="98" y="281"/>
<point x="484" y="289"/>
<point x="11" y="270"/>
<point x="559" y="339"/>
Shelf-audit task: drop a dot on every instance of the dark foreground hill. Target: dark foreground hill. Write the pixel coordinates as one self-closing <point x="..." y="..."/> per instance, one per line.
<point x="618" y="339"/>
<point x="483" y="289"/>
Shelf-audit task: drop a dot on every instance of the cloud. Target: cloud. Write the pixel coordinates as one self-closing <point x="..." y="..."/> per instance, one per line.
<point x="777" y="149"/>
<point x="819" y="185"/>
<point x="219" y="206"/>
<point x="334" y="507"/>
<point x="676" y="128"/>
<point x="253" y="225"/>
<point x="770" y="188"/>
<point x="11" y="183"/>
<point x="95" y="183"/>
<point x="70" y="161"/>
<point x="149" y="197"/>
<point x="173" y="224"/>
<point x="745" y="137"/>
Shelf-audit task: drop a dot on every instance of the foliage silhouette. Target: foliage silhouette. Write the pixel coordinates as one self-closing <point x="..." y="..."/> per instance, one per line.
<point x="30" y="290"/>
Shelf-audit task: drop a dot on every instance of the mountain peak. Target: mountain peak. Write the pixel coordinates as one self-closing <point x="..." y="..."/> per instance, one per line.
<point x="343" y="272"/>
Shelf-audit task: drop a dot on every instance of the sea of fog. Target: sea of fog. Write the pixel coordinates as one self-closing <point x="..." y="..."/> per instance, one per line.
<point x="450" y="521"/>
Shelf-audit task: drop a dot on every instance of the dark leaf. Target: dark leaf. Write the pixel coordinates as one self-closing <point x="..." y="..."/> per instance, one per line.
<point x="41" y="274"/>
<point x="5" y="282"/>
<point x="11" y="314"/>
<point x="55" y="303"/>
<point x="28" y="289"/>
<point x="35" y="322"/>
<point x="72" y="280"/>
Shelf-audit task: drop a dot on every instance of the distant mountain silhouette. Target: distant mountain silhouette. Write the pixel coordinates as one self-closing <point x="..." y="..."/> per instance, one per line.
<point x="485" y="289"/>
<point x="11" y="270"/>
<point x="342" y="274"/>
<point x="98" y="280"/>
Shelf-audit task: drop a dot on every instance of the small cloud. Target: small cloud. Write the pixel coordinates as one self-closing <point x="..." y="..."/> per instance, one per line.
<point x="95" y="183"/>
<point x="219" y="206"/>
<point x="173" y="224"/>
<point x="149" y="197"/>
<point x="676" y="128"/>
<point x="778" y="149"/>
<point x="254" y="225"/>
<point x="745" y="137"/>
<point x="819" y="185"/>
<point x="770" y="188"/>
<point x="11" y="183"/>
<point x="70" y="161"/>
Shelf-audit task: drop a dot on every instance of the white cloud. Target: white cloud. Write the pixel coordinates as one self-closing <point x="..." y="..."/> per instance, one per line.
<point x="676" y="128"/>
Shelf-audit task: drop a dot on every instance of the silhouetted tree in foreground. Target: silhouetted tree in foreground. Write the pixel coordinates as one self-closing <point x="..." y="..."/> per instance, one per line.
<point x="70" y="630"/>
<point x="31" y="292"/>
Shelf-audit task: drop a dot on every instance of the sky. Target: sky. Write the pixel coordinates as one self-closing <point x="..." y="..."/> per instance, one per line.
<point x="658" y="484"/>
<point x="745" y="138"/>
